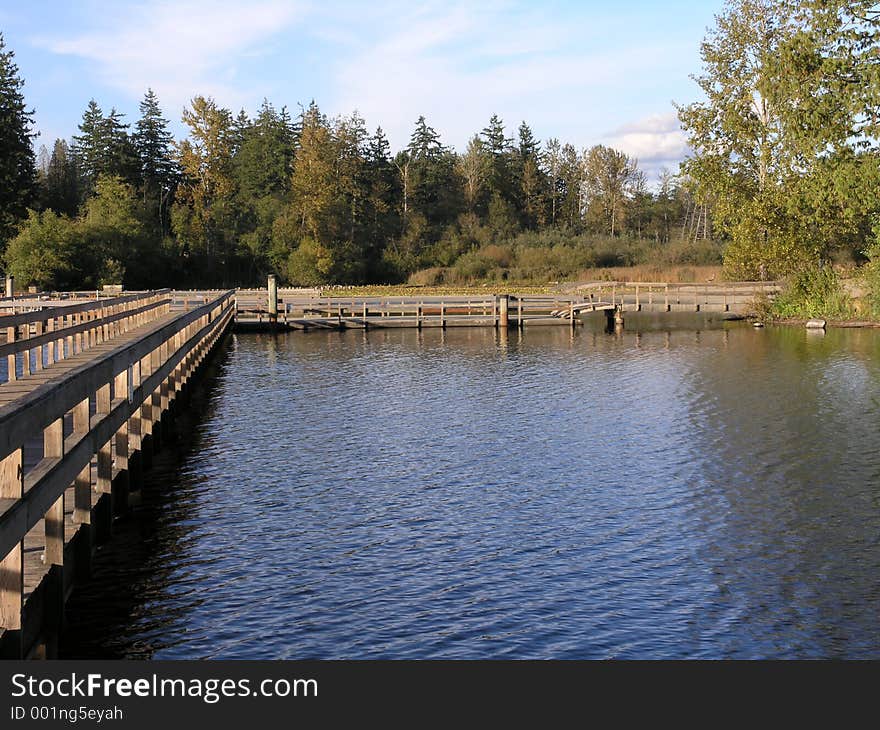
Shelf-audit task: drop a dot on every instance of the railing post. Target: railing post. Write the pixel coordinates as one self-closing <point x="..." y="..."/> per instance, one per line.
<point x="12" y="565"/>
<point x="53" y="447"/>
<point x="273" y="300"/>
<point x="105" y="453"/>
<point x="82" y="488"/>
<point x="10" y="359"/>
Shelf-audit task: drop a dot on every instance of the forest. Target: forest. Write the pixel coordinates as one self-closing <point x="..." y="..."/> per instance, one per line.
<point x="782" y="179"/>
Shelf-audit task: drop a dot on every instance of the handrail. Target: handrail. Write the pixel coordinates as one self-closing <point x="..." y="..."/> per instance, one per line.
<point x="30" y="413"/>
<point x="60" y="310"/>
<point x="61" y="331"/>
<point x="53" y="335"/>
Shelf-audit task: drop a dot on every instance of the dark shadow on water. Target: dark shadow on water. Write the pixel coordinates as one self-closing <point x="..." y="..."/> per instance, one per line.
<point x="100" y="612"/>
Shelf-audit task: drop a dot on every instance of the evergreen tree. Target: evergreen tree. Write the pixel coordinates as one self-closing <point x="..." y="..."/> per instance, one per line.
<point x="500" y="150"/>
<point x="89" y="146"/>
<point x="120" y="155"/>
<point x="530" y="180"/>
<point x="382" y="193"/>
<point x="262" y="167"/>
<point x="18" y="186"/>
<point x="433" y="190"/>
<point x="61" y="181"/>
<point x="104" y="147"/>
<point x="154" y="147"/>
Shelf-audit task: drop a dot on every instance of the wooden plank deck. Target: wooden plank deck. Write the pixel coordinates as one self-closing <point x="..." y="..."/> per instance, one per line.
<point x="73" y="438"/>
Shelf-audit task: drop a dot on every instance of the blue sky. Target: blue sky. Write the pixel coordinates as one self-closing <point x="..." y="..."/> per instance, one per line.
<point x="586" y="72"/>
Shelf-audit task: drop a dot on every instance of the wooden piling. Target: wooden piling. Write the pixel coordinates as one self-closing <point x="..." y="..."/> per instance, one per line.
<point x="273" y="300"/>
<point x="503" y="307"/>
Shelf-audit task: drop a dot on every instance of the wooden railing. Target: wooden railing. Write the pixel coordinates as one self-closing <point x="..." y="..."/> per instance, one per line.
<point x="38" y="339"/>
<point x="428" y="310"/>
<point x="91" y="420"/>
<point x="665" y="296"/>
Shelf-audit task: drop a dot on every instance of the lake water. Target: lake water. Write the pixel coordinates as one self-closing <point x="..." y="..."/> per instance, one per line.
<point x="547" y="494"/>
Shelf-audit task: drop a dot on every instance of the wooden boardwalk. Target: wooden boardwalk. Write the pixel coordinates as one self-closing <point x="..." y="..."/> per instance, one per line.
<point x="299" y="310"/>
<point x="84" y="402"/>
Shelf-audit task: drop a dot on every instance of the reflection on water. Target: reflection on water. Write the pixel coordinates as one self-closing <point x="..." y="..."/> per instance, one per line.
<point x="465" y="494"/>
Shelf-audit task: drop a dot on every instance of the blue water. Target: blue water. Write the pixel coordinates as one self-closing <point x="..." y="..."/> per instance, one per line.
<point x="396" y="494"/>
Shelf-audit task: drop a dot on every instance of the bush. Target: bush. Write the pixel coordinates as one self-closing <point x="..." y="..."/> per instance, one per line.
<point x="435" y="276"/>
<point x="871" y="278"/>
<point x="48" y="252"/>
<point x="814" y="292"/>
<point x="310" y="264"/>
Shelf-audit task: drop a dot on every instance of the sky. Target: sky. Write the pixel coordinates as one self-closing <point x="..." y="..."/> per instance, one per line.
<point x="584" y="71"/>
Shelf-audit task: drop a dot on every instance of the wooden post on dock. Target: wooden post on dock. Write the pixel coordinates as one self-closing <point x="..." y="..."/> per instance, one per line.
<point x="503" y="307"/>
<point x="273" y="300"/>
<point x="10" y="286"/>
<point x="12" y="565"/>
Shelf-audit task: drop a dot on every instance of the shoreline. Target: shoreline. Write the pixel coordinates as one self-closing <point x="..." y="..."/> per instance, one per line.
<point x="835" y="323"/>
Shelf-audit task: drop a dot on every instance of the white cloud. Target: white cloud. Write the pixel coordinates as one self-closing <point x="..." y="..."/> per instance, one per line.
<point x="179" y="48"/>
<point x="656" y="141"/>
<point x="458" y="64"/>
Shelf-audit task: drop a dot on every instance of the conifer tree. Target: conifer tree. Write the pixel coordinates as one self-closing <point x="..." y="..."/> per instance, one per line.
<point x="61" y="181"/>
<point x="17" y="171"/>
<point x="154" y="146"/>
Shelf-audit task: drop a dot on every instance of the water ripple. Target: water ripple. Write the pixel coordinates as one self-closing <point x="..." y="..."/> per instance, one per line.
<point x="461" y="495"/>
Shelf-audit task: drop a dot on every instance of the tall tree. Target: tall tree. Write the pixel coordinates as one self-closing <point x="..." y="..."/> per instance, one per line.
<point x="530" y="178"/>
<point x="203" y="214"/>
<point x="17" y="171"/>
<point x="776" y="150"/>
<point x="120" y="155"/>
<point x="499" y="147"/>
<point x="382" y="193"/>
<point x="89" y="146"/>
<point x="61" y="182"/>
<point x="154" y="147"/>
<point x="474" y="168"/>
<point x="431" y="179"/>
<point x="608" y="175"/>
<point x="104" y="147"/>
<point x="553" y="163"/>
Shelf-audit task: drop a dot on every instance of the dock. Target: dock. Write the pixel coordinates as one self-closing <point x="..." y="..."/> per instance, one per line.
<point x="89" y="392"/>
<point x="296" y="309"/>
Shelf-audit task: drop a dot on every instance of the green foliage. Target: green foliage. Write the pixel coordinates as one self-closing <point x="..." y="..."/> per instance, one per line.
<point x="311" y="264"/>
<point x="47" y="252"/>
<point x="814" y="292"/>
<point x="17" y="171"/>
<point x="320" y="200"/>
<point x="871" y="271"/>
<point x="60" y="185"/>
<point x="783" y="139"/>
